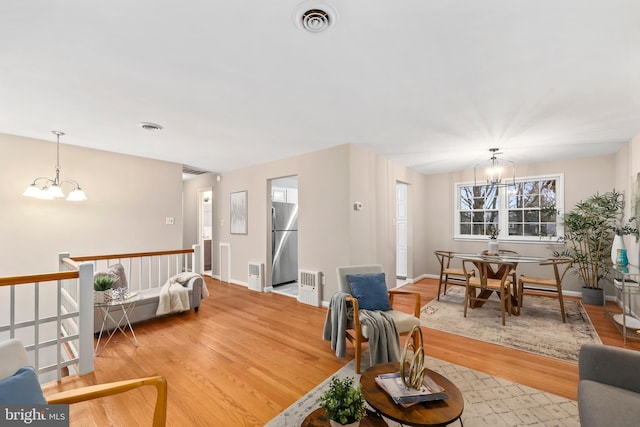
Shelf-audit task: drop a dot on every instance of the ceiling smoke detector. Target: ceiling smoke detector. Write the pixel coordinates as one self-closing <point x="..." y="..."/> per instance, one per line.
<point x="314" y="16"/>
<point x="149" y="126"/>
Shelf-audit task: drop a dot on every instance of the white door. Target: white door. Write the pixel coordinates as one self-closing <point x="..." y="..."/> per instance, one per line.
<point x="205" y="229"/>
<point x="401" y="230"/>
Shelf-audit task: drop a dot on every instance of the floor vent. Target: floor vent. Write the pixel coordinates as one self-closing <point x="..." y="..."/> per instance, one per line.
<point x="309" y="287"/>
<point x="256" y="276"/>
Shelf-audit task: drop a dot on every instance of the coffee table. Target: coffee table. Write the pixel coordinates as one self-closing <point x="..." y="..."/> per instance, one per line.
<point x="435" y="413"/>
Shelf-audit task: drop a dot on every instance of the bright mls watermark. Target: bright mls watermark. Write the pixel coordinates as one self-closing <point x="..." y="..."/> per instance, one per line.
<point x="34" y="415"/>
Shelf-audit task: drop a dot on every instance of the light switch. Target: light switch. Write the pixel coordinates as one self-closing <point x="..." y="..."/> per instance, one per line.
<point x="170" y="220"/>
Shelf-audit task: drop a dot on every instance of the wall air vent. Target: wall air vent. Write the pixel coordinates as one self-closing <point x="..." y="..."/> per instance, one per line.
<point x="314" y="16"/>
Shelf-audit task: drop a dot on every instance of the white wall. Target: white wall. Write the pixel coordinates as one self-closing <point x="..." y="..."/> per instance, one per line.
<point x="128" y="201"/>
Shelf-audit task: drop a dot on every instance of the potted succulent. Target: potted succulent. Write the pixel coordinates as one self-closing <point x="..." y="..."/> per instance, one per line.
<point x="343" y="402"/>
<point x="589" y="227"/>
<point x="101" y="286"/>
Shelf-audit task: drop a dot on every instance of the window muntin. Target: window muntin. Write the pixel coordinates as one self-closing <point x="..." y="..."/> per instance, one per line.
<point x="524" y="211"/>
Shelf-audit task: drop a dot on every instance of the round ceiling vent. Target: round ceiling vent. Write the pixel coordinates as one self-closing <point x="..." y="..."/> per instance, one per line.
<point x="315" y="20"/>
<point x="314" y="16"/>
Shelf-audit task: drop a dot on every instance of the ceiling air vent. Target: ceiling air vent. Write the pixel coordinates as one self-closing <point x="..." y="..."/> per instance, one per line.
<point x="315" y="20"/>
<point x="314" y="16"/>
<point x="190" y="170"/>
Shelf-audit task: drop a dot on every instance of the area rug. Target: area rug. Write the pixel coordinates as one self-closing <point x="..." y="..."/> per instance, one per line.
<point x="538" y="329"/>
<point x="488" y="400"/>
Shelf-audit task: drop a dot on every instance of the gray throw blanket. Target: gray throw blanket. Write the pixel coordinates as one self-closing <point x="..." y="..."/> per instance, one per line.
<point x="335" y="324"/>
<point x="384" y="340"/>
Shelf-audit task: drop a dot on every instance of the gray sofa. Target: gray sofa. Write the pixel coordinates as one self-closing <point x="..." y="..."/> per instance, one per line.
<point x="147" y="305"/>
<point x="609" y="387"/>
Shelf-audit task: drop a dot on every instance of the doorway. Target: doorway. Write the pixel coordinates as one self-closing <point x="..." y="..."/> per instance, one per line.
<point x="284" y="235"/>
<point x="402" y="231"/>
<point x="205" y="228"/>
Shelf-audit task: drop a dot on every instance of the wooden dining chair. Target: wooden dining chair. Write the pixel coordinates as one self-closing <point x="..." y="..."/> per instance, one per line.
<point x="448" y="274"/>
<point x="547" y="285"/>
<point x="488" y="281"/>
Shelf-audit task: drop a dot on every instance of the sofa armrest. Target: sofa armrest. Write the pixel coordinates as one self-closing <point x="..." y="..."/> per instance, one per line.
<point x="614" y="366"/>
<point x="195" y="287"/>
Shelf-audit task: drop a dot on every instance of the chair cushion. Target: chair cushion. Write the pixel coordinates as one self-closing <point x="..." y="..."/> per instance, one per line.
<point x="370" y="290"/>
<point x="404" y="322"/>
<point x="22" y="388"/>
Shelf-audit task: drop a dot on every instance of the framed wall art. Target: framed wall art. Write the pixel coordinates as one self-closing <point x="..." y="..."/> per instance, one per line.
<point x="238" y="208"/>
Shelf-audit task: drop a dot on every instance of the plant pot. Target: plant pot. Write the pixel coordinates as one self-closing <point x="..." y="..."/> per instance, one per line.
<point x="101" y="297"/>
<point x="592" y="296"/>
<point x="493" y="248"/>
<point x="337" y="424"/>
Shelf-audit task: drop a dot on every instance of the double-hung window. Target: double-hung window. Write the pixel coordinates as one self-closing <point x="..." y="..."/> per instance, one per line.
<point x="526" y="210"/>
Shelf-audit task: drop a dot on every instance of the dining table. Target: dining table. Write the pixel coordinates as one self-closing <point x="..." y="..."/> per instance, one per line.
<point x="494" y="265"/>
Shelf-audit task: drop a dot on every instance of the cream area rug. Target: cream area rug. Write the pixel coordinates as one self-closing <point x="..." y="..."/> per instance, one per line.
<point x="538" y="329"/>
<point x="488" y="400"/>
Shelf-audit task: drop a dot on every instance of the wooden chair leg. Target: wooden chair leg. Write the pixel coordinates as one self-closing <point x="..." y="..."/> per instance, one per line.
<point x="466" y="300"/>
<point x="358" y="347"/>
<point x="561" y="298"/>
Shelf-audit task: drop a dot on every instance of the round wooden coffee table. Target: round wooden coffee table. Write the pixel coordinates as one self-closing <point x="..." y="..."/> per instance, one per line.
<point x="318" y="418"/>
<point x="436" y="413"/>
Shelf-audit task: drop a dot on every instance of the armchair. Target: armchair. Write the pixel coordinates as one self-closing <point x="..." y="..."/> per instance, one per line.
<point x="14" y="357"/>
<point x="609" y="387"/>
<point x="357" y="333"/>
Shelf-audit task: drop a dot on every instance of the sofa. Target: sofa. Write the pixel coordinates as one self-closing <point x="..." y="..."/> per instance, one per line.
<point x="147" y="305"/>
<point x="609" y="387"/>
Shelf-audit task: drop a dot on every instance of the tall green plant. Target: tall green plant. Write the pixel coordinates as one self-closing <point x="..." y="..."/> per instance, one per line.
<point x="589" y="227"/>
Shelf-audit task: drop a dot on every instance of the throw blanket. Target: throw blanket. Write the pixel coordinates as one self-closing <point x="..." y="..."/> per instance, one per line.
<point x="384" y="340"/>
<point x="174" y="297"/>
<point x="335" y="324"/>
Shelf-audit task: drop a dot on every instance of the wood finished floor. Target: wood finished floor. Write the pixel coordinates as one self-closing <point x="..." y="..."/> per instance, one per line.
<point x="246" y="356"/>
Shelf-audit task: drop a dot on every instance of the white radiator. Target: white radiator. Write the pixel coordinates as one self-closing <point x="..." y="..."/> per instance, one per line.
<point x="309" y="287"/>
<point x="256" y="276"/>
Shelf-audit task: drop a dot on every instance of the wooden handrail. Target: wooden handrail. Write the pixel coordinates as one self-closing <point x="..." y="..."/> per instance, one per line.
<point x="35" y="278"/>
<point x="132" y="255"/>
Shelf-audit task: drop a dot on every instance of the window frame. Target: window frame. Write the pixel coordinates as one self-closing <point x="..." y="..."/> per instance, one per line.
<point x="503" y="211"/>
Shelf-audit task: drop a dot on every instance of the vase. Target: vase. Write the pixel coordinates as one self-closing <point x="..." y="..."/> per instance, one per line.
<point x="493" y="247"/>
<point x="621" y="258"/>
<point x="337" y="424"/>
<point x="618" y="243"/>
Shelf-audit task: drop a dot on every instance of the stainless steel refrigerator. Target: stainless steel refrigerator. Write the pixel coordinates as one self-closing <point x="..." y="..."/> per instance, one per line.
<point x="284" y="243"/>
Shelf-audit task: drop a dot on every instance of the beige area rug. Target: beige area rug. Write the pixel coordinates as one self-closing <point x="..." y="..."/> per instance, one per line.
<point x="538" y="329"/>
<point x="488" y="400"/>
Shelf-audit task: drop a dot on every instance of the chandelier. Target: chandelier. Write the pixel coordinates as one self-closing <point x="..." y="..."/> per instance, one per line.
<point x="498" y="172"/>
<point x="50" y="189"/>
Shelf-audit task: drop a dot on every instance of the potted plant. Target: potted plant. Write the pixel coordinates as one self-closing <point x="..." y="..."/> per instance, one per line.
<point x="589" y="227"/>
<point x="493" y="233"/>
<point x="343" y="402"/>
<point x="101" y="285"/>
<point x="618" y="243"/>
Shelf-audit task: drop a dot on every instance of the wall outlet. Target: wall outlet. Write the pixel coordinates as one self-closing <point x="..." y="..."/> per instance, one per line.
<point x="169" y="220"/>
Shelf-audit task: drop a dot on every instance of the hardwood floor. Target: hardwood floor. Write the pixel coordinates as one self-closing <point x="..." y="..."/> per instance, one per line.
<point x="246" y="356"/>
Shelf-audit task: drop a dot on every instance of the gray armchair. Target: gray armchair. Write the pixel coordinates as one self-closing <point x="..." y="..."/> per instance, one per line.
<point x="609" y="387"/>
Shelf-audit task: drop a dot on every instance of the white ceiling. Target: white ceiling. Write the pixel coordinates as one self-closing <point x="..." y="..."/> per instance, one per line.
<point x="432" y="84"/>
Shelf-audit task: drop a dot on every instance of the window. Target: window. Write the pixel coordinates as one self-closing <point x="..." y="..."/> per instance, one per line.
<point x="527" y="210"/>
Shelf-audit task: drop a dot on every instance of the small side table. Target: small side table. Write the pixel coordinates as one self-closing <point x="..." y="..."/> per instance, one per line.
<point x="318" y="418"/>
<point x="127" y="305"/>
